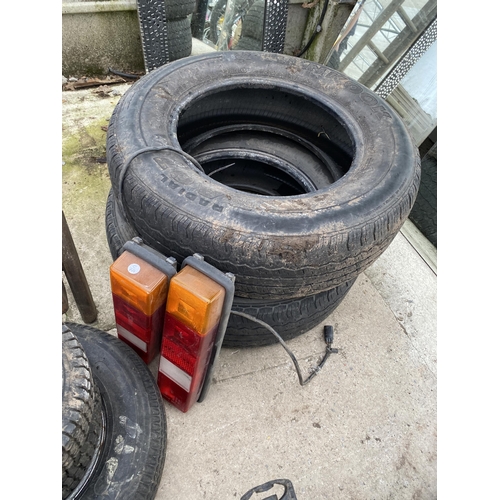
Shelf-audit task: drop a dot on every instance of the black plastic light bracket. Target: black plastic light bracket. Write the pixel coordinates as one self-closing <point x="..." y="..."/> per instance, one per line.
<point x="167" y="265"/>
<point x="226" y="280"/>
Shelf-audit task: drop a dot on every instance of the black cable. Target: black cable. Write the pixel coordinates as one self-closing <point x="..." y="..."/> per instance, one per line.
<point x="318" y="30"/>
<point x="148" y="149"/>
<point x="124" y="75"/>
<point x="328" y="339"/>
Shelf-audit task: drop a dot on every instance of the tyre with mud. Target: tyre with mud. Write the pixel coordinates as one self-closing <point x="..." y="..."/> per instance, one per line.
<point x="279" y="247"/>
<point x="290" y="318"/>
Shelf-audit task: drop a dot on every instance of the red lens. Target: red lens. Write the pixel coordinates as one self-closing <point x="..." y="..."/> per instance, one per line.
<point x="140" y="331"/>
<point x="183" y="362"/>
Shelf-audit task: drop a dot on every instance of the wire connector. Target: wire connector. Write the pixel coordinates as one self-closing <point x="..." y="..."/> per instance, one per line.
<point x="328" y="334"/>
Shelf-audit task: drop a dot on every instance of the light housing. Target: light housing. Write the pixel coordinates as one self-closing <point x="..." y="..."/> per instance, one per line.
<point x="139" y="283"/>
<point x="197" y="310"/>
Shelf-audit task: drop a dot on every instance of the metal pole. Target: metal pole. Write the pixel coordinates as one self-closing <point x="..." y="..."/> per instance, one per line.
<point x="73" y="270"/>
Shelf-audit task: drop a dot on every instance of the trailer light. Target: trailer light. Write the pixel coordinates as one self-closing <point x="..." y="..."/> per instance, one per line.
<point x="197" y="310"/>
<point x="139" y="283"/>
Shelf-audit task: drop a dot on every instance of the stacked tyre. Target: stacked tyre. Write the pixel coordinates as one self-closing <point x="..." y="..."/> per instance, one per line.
<point x="178" y="28"/>
<point x="284" y="172"/>
<point x="252" y="31"/>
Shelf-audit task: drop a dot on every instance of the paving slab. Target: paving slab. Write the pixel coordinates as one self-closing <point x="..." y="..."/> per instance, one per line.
<point x="364" y="428"/>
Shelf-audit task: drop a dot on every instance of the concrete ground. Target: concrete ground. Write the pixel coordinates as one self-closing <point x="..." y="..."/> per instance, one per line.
<point x="364" y="428"/>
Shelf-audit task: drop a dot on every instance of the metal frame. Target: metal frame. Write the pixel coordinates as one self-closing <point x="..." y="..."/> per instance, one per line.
<point x="275" y="20"/>
<point x="399" y="38"/>
<point x="414" y="53"/>
<point x="153" y="28"/>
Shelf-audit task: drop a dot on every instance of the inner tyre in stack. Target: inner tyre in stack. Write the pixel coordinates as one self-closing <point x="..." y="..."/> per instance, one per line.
<point x="284" y="172"/>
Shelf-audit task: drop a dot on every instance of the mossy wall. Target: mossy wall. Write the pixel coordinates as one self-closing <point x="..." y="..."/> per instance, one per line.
<point x="91" y="43"/>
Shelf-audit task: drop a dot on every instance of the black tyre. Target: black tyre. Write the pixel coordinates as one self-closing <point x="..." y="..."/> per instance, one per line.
<point x="253" y="24"/>
<point x="177" y="9"/>
<point x="424" y="212"/>
<point x="81" y="413"/>
<point x="290" y="318"/>
<point x="118" y="231"/>
<point x="267" y="156"/>
<point x="278" y="247"/>
<point x="132" y="455"/>
<point x="218" y="12"/>
<point x="179" y="39"/>
<point x="247" y="43"/>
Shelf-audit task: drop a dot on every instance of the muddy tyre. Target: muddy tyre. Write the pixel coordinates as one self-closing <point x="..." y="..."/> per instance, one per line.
<point x="290" y="318"/>
<point x="278" y="247"/>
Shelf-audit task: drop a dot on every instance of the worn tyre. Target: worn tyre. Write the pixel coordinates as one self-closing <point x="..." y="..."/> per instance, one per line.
<point x="288" y="246"/>
<point x="81" y="413"/>
<point x="253" y="23"/>
<point x="177" y="9"/>
<point x="262" y="160"/>
<point x="290" y="318"/>
<point x="118" y="231"/>
<point x="247" y="43"/>
<point x="132" y="455"/>
<point x="179" y="38"/>
<point x="274" y="149"/>
<point x="424" y="212"/>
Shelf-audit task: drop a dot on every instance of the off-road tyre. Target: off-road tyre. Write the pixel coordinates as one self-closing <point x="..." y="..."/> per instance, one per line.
<point x="277" y="247"/>
<point x="132" y="456"/>
<point x="81" y="413"/>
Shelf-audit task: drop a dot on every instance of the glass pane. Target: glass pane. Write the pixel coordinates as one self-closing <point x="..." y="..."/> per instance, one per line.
<point x="415" y="98"/>
<point x="377" y="35"/>
<point x="234" y="24"/>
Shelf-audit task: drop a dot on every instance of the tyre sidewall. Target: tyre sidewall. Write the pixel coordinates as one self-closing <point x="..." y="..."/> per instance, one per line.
<point x="382" y="182"/>
<point x="132" y="458"/>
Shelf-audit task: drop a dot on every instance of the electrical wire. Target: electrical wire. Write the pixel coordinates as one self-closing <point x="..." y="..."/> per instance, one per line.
<point x="318" y="30"/>
<point x="328" y="340"/>
<point x="123" y="75"/>
<point x="148" y="149"/>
